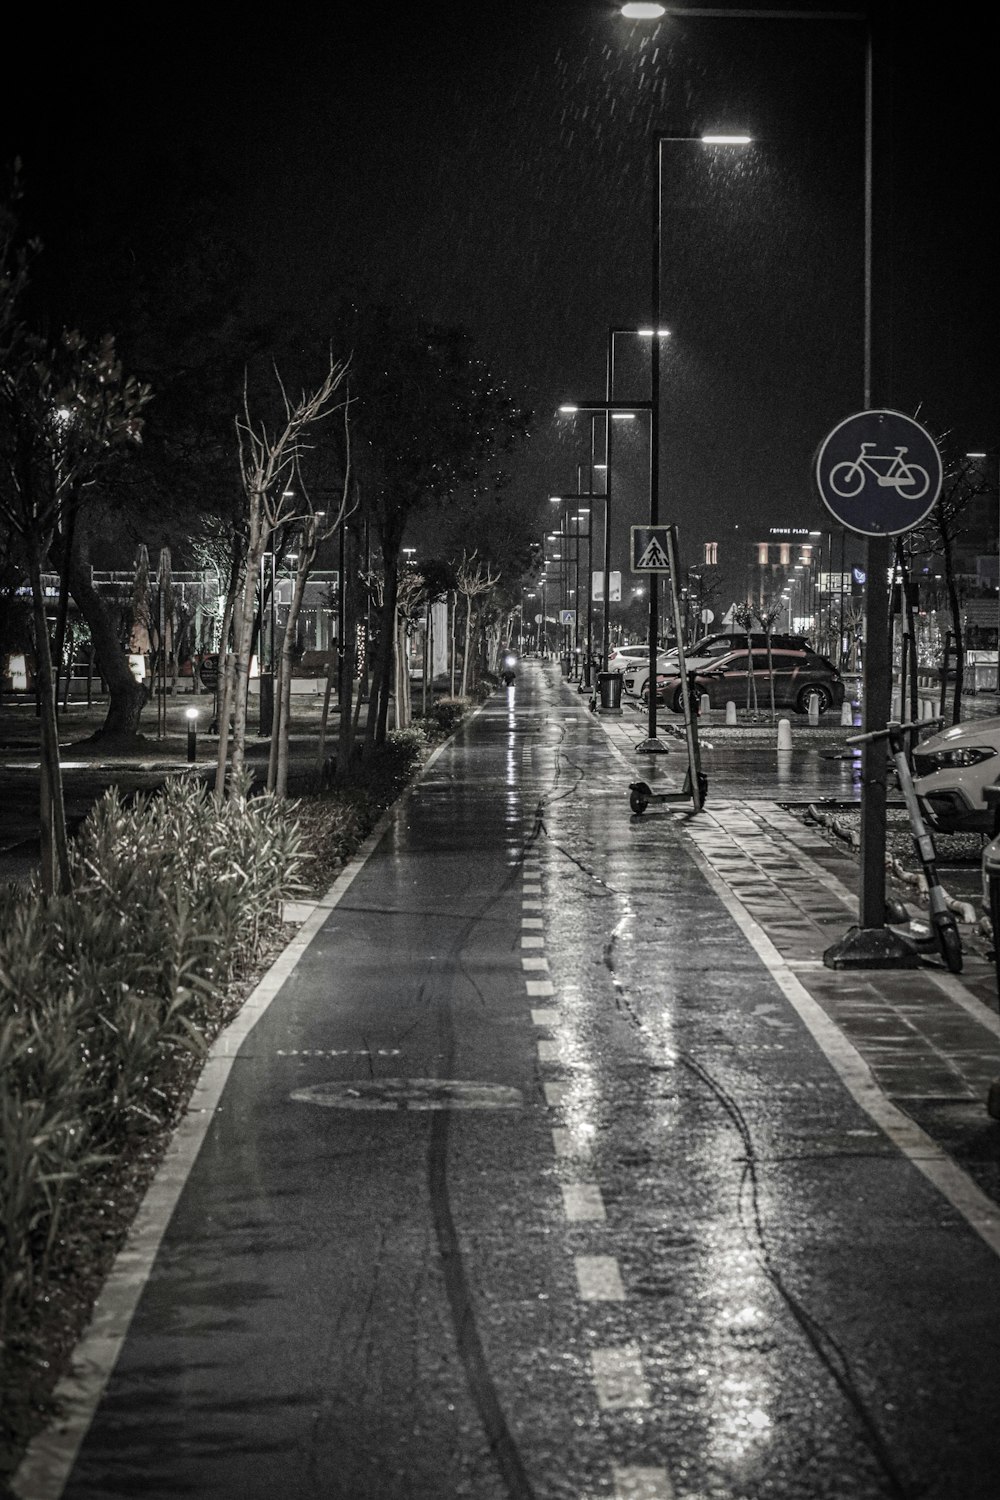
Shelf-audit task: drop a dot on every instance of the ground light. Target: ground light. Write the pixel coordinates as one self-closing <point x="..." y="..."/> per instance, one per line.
<point x="191" y="714"/>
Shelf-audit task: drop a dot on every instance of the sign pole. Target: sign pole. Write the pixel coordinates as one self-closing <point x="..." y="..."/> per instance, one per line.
<point x="690" y="722"/>
<point x="879" y="473"/>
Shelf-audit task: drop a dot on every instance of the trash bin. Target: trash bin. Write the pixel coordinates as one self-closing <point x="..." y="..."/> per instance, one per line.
<point x="610" y="685"/>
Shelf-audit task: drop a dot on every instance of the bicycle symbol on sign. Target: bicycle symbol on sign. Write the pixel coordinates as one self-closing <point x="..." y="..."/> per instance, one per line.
<point x="848" y="478"/>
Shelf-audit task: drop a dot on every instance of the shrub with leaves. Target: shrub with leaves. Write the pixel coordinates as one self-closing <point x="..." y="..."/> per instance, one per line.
<point x="107" y="991"/>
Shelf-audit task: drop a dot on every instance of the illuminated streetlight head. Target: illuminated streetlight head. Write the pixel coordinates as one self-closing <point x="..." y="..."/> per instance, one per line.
<point x="568" y="409"/>
<point x="623" y="416"/>
<point x="642" y="10"/>
<point x="647" y="333"/>
<point x="727" y="140"/>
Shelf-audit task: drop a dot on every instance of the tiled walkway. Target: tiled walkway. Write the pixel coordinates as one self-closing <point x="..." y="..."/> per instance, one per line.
<point x="930" y="1038"/>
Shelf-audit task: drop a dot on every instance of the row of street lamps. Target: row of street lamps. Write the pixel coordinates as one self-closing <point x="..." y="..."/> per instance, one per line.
<point x="859" y="946"/>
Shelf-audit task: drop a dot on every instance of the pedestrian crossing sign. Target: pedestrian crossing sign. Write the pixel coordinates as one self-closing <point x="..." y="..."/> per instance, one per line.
<point x="650" y="549"/>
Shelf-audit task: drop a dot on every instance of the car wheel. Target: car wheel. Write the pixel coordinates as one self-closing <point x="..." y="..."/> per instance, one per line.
<point x="677" y="702"/>
<point x="822" y="697"/>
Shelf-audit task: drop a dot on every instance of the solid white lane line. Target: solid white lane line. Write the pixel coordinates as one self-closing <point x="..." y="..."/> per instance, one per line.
<point x="979" y="1211"/>
<point x="618" y="1378"/>
<point x="548" y="1052"/>
<point x="583" y="1203"/>
<point x="545" y="1017"/>
<point x="599" y="1278"/>
<point x="634" y="1482"/>
<point x="539" y="987"/>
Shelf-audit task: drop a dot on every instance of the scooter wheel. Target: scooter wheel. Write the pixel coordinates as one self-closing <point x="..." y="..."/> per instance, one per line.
<point x="636" y="803"/>
<point x="950" y="943"/>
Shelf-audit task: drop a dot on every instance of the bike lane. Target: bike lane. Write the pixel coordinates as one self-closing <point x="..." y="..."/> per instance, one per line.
<point x="651" y="1247"/>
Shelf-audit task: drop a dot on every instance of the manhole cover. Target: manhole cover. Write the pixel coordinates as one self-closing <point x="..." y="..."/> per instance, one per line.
<point x="410" y="1093"/>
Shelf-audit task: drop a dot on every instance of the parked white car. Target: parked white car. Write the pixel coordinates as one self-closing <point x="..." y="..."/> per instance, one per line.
<point x="620" y="658"/>
<point x="950" y="770"/>
<point x="637" y="675"/>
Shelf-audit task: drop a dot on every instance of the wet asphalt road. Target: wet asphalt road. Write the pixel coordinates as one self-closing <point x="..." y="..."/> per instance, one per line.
<point x="653" y="1249"/>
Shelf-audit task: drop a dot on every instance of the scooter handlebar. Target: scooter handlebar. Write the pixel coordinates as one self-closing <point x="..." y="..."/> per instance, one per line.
<point x="892" y="727"/>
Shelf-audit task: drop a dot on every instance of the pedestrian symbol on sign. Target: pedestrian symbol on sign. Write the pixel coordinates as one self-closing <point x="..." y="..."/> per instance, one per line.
<point x="649" y="549"/>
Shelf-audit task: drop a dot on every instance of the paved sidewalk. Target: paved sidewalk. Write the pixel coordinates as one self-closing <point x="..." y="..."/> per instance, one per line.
<point x="931" y="1039"/>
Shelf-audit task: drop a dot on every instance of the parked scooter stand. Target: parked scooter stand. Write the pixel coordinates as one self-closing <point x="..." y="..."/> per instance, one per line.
<point x="943" y="933"/>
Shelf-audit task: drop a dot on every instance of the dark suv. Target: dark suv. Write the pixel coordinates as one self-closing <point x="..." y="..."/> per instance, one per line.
<point x="712" y="646"/>
<point x="745" y="679"/>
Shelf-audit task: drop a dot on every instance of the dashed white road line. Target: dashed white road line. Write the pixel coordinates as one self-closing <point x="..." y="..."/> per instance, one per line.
<point x="534" y="963"/>
<point x="539" y="987"/>
<point x="556" y="1094"/>
<point x="548" y="1052"/>
<point x="639" y="1483"/>
<point x="618" y="1378"/>
<point x="599" y="1278"/>
<point x="545" y="1017"/>
<point x="583" y="1203"/>
<point x="531" y="940"/>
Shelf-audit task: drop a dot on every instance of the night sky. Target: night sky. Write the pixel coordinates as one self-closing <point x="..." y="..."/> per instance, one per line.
<point x="493" y="165"/>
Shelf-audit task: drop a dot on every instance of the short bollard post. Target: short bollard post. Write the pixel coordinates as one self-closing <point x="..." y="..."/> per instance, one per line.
<point x="846" y="714"/>
<point x="784" y="734"/>
<point x="814" y="708"/>
<point x="730" y="712"/>
<point x="191" y="714"/>
<point x="705" y="704"/>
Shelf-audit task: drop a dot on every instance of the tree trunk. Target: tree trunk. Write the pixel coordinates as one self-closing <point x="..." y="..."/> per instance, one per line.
<point x="127" y="697"/>
<point x="243" y="638"/>
<point x="52" y="809"/>
<point x="349" y="656"/>
<point x="956" y="621"/>
<point x="224" y="675"/>
<point x="378" y="706"/>
<point x="277" y="767"/>
<point x="467" y="647"/>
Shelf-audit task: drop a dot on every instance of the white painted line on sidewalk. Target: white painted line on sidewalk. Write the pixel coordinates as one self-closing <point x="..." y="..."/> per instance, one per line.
<point x="618" y="1378"/>
<point x="534" y="963"/>
<point x="583" y="1203"/>
<point x="532" y="942"/>
<point x="549" y="1052"/>
<point x="533" y="922"/>
<point x="599" y="1278"/>
<point x="529" y="903"/>
<point x="979" y="1211"/>
<point x="545" y="1017"/>
<point x="633" y="1482"/>
<point x="556" y="1094"/>
<point x="539" y="987"/>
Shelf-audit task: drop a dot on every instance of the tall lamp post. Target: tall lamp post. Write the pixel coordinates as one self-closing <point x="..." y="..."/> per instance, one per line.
<point x="869" y="944"/>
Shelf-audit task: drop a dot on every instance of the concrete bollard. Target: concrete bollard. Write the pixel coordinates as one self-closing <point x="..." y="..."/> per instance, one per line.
<point x="927" y="708"/>
<point x="814" y="708"/>
<point x="705" y="704"/>
<point x="730" y="712"/>
<point x="847" y="714"/>
<point x="784" y="734"/>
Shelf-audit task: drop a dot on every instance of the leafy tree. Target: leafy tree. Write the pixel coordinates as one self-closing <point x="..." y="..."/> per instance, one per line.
<point x="429" y="419"/>
<point x="66" y="410"/>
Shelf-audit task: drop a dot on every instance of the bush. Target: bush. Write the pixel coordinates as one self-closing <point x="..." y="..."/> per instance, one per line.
<point x="445" y="716"/>
<point x="110" y="992"/>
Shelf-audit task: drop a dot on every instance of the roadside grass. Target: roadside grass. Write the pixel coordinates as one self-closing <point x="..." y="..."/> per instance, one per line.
<point x="110" y="998"/>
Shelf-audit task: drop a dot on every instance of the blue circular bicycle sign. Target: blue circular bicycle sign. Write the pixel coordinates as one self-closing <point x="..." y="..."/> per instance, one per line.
<point x="879" y="472"/>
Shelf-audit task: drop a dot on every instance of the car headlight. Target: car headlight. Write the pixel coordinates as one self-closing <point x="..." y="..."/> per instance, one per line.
<point x="943" y="760"/>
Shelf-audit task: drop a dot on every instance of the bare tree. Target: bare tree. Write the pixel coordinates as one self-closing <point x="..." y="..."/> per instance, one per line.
<point x="473" y="578"/>
<point x="316" y="526"/>
<point x="767" y="616"/>
<point x="269" y="461"/>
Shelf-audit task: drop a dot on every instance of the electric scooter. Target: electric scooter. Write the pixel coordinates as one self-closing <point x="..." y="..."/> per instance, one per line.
<point x="944" y="933"/>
